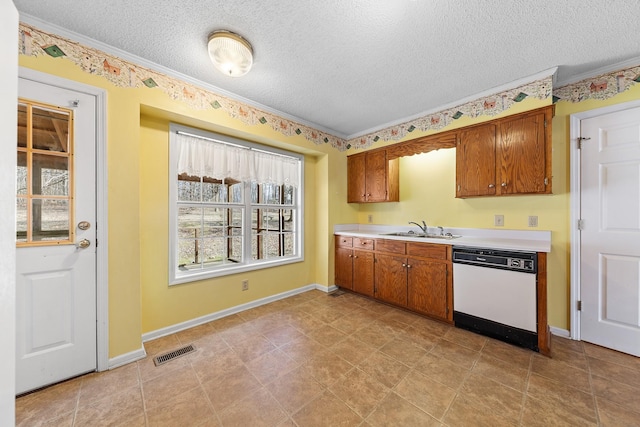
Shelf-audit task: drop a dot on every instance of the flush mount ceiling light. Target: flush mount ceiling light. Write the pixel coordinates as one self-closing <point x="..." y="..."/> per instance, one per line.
<point x="230" y="53"/>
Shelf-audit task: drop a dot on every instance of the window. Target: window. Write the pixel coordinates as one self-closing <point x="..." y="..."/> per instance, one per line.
<point x="43" y="179"/>
<point x="234" y="205"/>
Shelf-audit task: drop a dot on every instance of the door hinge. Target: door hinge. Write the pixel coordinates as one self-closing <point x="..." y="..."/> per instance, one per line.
<point x="580" y="224"/>
<point x="545" y="123"/>
<point x="96" y="243"/>
<point x="546" y="181"/>
<point x="580" y="139"/>
<point x="579" y="305"/>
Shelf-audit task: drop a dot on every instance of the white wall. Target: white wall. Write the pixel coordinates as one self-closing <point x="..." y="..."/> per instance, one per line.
<point x="8" y="120"/>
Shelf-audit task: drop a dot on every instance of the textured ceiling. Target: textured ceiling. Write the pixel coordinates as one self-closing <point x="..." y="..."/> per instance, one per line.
<point x="348" y="67"/>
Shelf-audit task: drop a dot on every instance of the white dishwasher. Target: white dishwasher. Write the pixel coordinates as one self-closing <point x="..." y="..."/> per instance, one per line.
<point x="494" y="294"/>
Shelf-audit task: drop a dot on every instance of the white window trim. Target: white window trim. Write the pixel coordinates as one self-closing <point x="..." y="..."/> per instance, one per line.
<point x="176" y="277"/>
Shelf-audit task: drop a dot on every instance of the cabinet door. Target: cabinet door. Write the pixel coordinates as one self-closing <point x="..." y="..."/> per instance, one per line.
<point x="475" y="161"/>
<point x="363" y="272"/>
<point x="356" y="191"/>
<point x="427" y="287"/>
<point x="344" y="268"/>
<point x="391" y="279"/>
<point x="376" y="176"/>
<point x="521" y="154"/>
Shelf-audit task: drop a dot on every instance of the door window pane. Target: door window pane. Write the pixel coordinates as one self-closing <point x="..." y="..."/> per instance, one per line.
<point x="21" y="219"/>
<point x="50" y="175"/>
<point x="50" y="130"/>
<point x="22" y="125"/>
<point x="50" y="219"/>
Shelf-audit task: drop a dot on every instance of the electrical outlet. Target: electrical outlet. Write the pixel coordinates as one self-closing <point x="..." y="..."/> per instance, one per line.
<point x="533" y="220"/>
<point x="498" y="220"/>
<point x="370" y="219"/>
<point x="245" y="285"/>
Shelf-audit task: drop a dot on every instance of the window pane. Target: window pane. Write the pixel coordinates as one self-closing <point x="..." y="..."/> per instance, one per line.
<point x="271" y="219"/>
<point x="289" y="195"/>
<point x="271" y="245"/>
<point x="236" y="217"/>
<point x="50" y="219"/>
<point x="214" y="192"/>
<point x="189" y="222"/>
<point x="236" y="193"/>
<point x="50" y="175"/>
<point x="235" y="249"/>
<point x="21" y="175"/>
<point x="189" y="191"/>
<point x="270" y="194"/>
<point x="21" y="219"/>
<point x="213" y="250"/>
<point x="50" y="130"/>
<point x="22" y="125"/>
<point x="214" y="221"/>
<point x="187" y="250"/>
<point x="289" y="220"/>
<point x="289" y="244"/>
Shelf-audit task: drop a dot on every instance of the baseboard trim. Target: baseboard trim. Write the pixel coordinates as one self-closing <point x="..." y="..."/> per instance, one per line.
<point x="559" y="332"/>
<point x="126" y="358"/>
<point x="158" y="333"/>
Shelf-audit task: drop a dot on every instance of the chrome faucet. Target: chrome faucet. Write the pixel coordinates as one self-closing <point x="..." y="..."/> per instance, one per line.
<point x="441" y="230"/>
<point x="422" y="227"/>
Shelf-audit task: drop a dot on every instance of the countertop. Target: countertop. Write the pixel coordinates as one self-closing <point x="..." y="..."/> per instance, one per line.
<point x="516" y="240"/>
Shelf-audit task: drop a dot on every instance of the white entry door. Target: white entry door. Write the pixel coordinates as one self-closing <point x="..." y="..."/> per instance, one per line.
<point x="56" y="235"/>
<point x="610" y="236"/>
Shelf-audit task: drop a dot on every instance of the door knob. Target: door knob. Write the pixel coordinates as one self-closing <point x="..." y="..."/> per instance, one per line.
<point x="83" y="244"/>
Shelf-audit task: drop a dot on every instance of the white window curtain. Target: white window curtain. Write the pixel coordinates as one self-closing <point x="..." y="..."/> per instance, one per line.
<point x="203" y="157"/>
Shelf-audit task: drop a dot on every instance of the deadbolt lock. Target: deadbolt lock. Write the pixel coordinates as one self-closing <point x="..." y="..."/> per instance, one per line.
<point x="84" y="225"/>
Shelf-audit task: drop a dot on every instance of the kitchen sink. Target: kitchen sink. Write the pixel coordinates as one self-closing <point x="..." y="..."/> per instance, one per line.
<point x="446" y="236"/>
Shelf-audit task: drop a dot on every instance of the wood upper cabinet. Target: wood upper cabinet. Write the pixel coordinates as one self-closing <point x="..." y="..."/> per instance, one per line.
<point x="523" y="154"/>
<point x="506" y="156"/>
<point x="476" y="161"/>
<point x="371" y="177"/>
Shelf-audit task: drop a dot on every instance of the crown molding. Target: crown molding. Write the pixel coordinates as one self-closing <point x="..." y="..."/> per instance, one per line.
<point x="84" y="40"/>
<point x="611" y="68"/>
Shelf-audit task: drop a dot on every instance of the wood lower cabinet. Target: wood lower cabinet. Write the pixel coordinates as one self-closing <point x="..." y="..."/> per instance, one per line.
<point x="427" y="287"/>
<point x="391" y="279"/>
<point x="415" y="276"/>
<point x="354" y="268"/>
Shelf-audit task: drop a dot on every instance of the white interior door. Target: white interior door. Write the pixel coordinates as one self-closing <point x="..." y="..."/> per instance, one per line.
<point x="56" y="235"/>
<point x="610" y="235"/>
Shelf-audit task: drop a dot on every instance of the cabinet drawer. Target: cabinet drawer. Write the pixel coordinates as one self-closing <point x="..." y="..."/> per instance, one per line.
<point x="366" y="244"/>
<point x="393" y="246"/>
<point x="344" y="242"/>
<point x="428" y="250"/>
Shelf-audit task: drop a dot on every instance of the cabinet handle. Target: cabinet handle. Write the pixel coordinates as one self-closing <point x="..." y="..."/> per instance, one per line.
<point x="404" y="265"/>
<point x="491" y="185"/>
<point x="408" y="265"/>
<point x="504" y="184"/>
<point x="350" y="256"/>
<point x="355" y="256"/>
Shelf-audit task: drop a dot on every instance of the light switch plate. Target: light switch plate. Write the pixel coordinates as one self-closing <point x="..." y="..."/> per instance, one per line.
<point x="498" y="220"/>
<point x="533" y="220"/>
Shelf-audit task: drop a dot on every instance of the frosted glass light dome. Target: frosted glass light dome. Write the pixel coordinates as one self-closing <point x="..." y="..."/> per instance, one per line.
<point x="230" y="53"/>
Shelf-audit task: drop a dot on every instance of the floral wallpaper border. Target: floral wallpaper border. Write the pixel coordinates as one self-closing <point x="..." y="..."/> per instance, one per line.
<point x="122" y="73"/>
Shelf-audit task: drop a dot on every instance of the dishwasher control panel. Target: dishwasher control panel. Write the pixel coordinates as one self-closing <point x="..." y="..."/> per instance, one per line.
<point x="525" y="262"/>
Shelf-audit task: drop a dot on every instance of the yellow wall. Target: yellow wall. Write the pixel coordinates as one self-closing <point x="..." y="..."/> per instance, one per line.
<point x="427" y="192"/>
<point x="140" y="299"/>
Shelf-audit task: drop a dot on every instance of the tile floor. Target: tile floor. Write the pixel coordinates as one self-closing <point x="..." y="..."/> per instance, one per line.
<point x="319" y="360"/>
